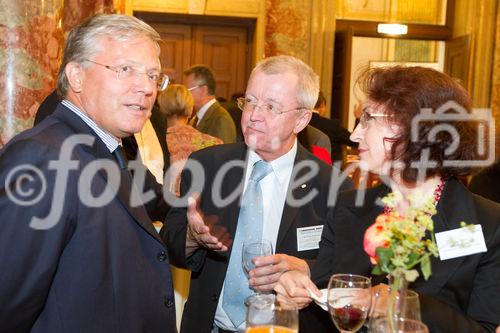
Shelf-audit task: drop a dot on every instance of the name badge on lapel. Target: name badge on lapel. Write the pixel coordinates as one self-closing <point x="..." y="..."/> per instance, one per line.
<point x="308" y="237"/>
<point x="460" y="242"/>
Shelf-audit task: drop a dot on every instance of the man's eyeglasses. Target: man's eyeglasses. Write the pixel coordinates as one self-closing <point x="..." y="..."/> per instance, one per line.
<point x="248" y="104"/>
<point x="196" y="87"/>
<point x="126" y="72"/>
<point x="366" y="117"/>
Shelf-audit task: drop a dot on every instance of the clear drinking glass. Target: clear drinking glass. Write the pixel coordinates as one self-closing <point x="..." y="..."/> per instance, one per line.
<point x="264" y="315"/>
<point x="402" y="325"/>
<point x="379" y="305"/>
<point x="252" y="250"/>
<point x="349" y="300"/>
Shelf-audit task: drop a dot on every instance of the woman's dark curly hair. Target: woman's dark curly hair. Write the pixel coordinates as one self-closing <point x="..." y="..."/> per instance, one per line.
<point x="405" y="92"/>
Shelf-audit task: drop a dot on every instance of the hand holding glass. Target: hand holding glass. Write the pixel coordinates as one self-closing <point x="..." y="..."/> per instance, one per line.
<point x="252" y="250"/>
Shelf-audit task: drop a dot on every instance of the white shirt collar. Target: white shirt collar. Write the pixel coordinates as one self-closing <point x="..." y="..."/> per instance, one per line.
<point x="281" y="166"/>
<point x="201" y="112"/>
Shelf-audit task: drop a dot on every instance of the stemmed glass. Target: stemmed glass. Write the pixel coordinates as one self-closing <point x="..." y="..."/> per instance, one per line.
<point x="379" y="305"/>
<point x="252" y="250"/>
<point x="349" y="300"/>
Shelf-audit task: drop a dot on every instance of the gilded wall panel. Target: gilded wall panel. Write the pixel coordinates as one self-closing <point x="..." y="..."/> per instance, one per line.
<point x="422" y="11"/>
<point x="167" y="6"/>
<point x="242" y="7"/>
<point x="414" y="11"/>
<point x="372" y="10"/>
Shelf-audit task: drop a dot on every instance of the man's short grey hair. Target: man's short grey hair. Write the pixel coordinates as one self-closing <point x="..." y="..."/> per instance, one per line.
<point x="308" y="81"/>
<point x="83" y="41"/>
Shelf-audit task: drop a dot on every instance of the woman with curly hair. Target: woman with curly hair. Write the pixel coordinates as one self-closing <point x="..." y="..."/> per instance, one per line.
<point x="409" y="135"/>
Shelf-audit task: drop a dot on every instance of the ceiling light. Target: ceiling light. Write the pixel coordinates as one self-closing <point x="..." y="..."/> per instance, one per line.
<point x="392" y="29"/>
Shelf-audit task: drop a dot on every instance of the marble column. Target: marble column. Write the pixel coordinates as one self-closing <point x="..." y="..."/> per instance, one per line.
<point x="30" y="47"/>
<point x="288" y="27"/>
<point x="31" y="40"/>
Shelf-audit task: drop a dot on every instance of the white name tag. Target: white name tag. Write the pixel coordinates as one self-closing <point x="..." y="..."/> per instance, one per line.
<point x="460" y="242"/>
<point x="308" y="237"/>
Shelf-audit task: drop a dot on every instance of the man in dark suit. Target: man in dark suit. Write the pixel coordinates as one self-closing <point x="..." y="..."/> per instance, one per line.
<point x="338" y="135"/>
<point x="211" y="118"/>
<point x="234" y="111"/>
<point x="78" y="250"/>
<point x="294" y="195"/>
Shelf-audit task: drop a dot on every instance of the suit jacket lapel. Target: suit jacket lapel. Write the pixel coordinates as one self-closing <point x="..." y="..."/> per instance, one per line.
<point x="99" y="151"/>
<point x="234" y="175"/>
<point x="290" y="211"/>
<point x="203" y="122"/>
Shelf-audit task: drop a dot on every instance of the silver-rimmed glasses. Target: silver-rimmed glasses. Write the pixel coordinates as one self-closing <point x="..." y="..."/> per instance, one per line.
<point x="126" y="72"/>
<point x="195" y="87"/>
<point x="366" y="117"/>
<point x="249" y="104"/>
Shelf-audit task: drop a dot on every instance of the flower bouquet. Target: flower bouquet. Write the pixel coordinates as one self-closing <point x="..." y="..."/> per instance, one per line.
<point x="398" y="244"/>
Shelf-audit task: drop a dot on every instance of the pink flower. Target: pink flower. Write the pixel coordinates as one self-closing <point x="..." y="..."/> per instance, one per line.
<point x="375" y="236"/>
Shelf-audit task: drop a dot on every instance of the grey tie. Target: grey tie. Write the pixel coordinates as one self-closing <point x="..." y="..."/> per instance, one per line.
<point x="249" y="228"/>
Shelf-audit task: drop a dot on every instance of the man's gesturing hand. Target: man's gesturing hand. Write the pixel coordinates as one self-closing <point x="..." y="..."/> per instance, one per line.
<point x="203" y="231"/>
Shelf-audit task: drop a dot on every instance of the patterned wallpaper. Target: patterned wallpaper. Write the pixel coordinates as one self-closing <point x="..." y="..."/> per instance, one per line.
<point x="287" y="27"/>
<point x="31" y="40"/>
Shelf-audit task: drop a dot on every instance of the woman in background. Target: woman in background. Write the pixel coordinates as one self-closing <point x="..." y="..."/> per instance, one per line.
<point x="176" y="103"/>
<point x="463" y="293"/>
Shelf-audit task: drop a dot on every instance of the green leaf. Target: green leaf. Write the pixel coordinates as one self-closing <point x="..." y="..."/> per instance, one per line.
<point x="376" y="270"/>
<point x="425" y="266"/>
<point x="412" y="259"/>
<point x="384" y="256"/>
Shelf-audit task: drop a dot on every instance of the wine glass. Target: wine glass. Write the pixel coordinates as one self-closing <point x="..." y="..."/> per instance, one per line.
<point x="399" y="325"/>
<point x="379" y="305"/>
<point x="264" y="315"/>
<point x="254" y="249"/>
<point x="349" y="300"/>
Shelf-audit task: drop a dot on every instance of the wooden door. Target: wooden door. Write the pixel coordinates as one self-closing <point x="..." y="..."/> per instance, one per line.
<point x="342" y="75"/>
<point x="456" y="58"/>
<point x="224" y="49"/>
<point x="175" y="47"/>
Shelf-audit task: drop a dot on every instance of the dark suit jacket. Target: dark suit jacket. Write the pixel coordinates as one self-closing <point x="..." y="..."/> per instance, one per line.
<point x="486" y="183"/>
<point x="101" y="269"/>
<point x="337" y="134"/>
<point x="159" y="122"/>
<point x="235" y="113"/>
<point x="462" y="294"/>
<point x="209" y="268"/>
<point x="218" y="122"/>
